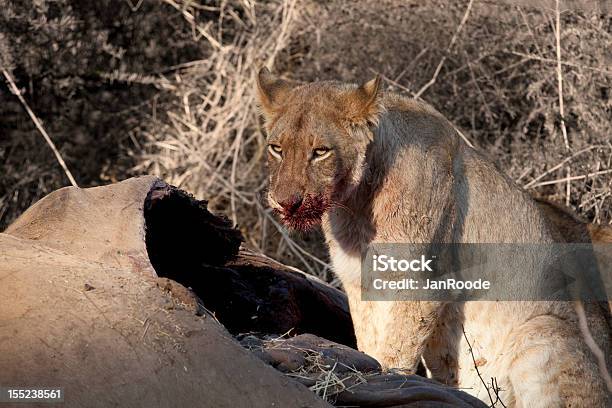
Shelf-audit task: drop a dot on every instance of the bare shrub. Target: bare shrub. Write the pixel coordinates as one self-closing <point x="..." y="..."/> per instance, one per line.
<point x="207" y="139"/>
<point x="61" y="54"/>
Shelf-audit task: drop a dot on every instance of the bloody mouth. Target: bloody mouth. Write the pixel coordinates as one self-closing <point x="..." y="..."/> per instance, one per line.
<point x="307" y="216"/>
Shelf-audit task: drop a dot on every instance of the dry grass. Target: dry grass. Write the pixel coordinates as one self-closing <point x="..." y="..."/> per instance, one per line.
<point x="323" y="376"/>
<point x="207" y="139"/>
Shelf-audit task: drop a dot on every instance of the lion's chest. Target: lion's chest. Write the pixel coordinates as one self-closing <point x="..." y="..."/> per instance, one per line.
<point x="388" y="331"/>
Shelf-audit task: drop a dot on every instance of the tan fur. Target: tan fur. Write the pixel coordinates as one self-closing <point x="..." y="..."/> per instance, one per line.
<point x="404" y="176"/>
<point x="600" y="233"/>
<point x="571" y="227"/>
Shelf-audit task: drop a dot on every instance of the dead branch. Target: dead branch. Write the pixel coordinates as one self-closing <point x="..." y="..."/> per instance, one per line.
<point x="558" y="166"/>
<point x="567" y="179"/>
<point x="560" y="73"/>
<point x="566" y="63"/>
<point x="448" y="49"/>
<point x="493" y="380"/>
<point x="39" y="126"/>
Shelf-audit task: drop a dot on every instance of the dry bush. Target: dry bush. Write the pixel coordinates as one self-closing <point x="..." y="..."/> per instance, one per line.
<point x="61" y="54"/>
<point x="207" y="137"/>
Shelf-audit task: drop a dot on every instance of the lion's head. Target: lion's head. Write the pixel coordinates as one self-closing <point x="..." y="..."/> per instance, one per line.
<point x="318" y="134"/>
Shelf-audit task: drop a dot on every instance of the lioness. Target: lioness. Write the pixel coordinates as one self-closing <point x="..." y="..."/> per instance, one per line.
<point x="377" y="167"/>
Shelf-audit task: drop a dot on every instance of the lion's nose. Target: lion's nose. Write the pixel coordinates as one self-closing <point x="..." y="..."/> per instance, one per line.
<point x="291" y="205"/>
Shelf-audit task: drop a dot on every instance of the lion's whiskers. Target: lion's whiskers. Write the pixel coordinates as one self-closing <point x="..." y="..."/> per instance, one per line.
<point x="340" y="205"/>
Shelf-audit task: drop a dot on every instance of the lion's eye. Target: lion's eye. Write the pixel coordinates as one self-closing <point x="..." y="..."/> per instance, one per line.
<point x="275" y="150"/>
<point x="321" y="152"/>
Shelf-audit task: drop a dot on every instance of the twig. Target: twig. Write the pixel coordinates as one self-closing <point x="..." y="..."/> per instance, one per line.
<point x="560" y="74"/>
<point x="588" y="338"/>
<point x="478" y="372"/>
<point x="568" y="187"/>
<point x="146" y="324"/>
<point x="523" y="174"/>
<point x="134" y="7"/>
<point x="488" y="113"/>
<point x="526" y="22"/>
<point x="587" y="149"/>
<point x="568" y="64"/>
<point x="58" y="156"/>
<point x="448" y="49"/>
<point x="566" y="179"/>
<point x="496" y="390"/>
<point x="191" y="19"/>
<point x="464" y="137"/>
<point x="411" y="64"/>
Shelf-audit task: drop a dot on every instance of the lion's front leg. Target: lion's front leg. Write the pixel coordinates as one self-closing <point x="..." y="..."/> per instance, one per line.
<point x="395" y="333"/>
<point x="441" y="353"/>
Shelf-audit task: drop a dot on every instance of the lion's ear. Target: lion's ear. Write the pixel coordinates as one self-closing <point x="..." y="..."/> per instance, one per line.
<point x="364" y="103"/>
<point x="272" y="91"/>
